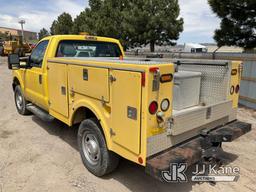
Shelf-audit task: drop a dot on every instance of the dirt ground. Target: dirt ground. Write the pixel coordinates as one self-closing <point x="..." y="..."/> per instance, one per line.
<point x="38" y="156"/>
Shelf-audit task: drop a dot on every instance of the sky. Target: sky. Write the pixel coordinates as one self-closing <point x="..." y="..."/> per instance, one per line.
<point x="199" y="26"/>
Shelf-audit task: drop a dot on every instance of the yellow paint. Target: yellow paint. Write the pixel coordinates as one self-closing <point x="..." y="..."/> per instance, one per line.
<point x="35" y="91"/>
<point x="97" y="78"/>
<point x="126" y="92"/>
<point x="64" y="91"/>
<point x="166" y="91"/>
<point x="234" y="81"/>
<point x="58" y="89"/>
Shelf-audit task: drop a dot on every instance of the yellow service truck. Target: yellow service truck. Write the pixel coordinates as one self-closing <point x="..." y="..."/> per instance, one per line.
<point x="149" y="112"/>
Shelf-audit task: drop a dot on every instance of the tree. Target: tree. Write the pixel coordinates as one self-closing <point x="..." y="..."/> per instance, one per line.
<point x="43" y="33"/>
<point x="103" y="18"/>
<point x="135" y="23"/>
<point x="238" y="22"/>
<point x="153" y="22"/>
<point x="84" y="23"/>
<point x="63" y="25"/>
<point x="53" y="28"/>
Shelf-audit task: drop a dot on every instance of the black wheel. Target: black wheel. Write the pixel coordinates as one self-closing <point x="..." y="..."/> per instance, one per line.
<point x="20" y="101"/>
<point x="93" y="149"/>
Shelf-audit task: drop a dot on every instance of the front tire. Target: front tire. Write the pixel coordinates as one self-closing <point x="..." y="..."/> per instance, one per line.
<point x="93" y="149"/>
<point x="20" y="101"/>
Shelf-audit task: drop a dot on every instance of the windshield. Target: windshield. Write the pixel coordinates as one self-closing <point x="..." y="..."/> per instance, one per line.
<point x="83" y="48"/>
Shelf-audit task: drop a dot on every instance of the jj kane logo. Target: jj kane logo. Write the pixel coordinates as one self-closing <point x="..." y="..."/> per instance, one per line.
<point x="202" y="173"/>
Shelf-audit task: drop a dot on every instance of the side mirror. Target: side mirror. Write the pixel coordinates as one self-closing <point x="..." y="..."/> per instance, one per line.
<point x="13" y="61"/>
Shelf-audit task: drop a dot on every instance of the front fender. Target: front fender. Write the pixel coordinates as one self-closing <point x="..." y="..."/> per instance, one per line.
<point x="18" y="75"/>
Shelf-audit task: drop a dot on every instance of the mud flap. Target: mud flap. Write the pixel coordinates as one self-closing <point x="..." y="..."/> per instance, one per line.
<point x="194" y="150"/>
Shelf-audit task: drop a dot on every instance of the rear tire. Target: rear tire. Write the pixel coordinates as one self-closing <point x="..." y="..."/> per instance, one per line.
<point x="93" y="149"/>
<point x="20" y="101"/>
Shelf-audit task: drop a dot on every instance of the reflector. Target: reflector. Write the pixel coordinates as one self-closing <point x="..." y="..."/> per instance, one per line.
<point x="153" y="69"/>
<point x="166" y="78"/>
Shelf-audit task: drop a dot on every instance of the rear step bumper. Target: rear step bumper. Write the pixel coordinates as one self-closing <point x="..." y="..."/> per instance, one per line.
<point x="195" y="149"/>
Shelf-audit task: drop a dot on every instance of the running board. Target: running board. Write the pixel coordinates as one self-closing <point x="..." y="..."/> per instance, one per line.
<point x="43" y="115"/>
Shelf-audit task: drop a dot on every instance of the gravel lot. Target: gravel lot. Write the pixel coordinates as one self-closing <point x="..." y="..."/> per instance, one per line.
<point x="38" y="156"/>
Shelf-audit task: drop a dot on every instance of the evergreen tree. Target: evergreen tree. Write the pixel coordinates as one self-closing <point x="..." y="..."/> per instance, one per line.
<point x="134" y="23"/>
<point x="63" y="25"/>
<point x="153" y="22"/>
<point x="238" y="22"/>
<point x="43" y="33"/>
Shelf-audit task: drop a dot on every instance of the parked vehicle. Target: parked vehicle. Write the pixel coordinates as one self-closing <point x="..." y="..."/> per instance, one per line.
<point x="195" y="48"/>
<point x="16" y="46"/>
<point x="138" y="109"/>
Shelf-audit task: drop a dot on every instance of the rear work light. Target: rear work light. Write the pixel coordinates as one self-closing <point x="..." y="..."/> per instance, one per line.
<point x="153" y="107"/>
<point x="165" y="105"/>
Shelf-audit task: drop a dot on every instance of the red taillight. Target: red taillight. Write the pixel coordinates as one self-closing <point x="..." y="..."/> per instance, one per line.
<point x="237" y="88"/>
<point x="153" y="107"/>
<point x="143" y="79"/>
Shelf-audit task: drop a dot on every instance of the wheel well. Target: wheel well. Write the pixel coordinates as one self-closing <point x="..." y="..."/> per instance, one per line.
<point x="15" y="83"/>
<point x="81" y="114"/>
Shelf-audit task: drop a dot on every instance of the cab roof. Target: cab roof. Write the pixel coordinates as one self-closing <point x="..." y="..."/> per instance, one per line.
<point x="81" y="37"/>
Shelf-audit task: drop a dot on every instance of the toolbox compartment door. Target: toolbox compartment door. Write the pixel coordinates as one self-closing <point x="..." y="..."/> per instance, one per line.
<point x="90" y="81"/>
<point x="126" y="109"/>
<point x="58" y="89"/>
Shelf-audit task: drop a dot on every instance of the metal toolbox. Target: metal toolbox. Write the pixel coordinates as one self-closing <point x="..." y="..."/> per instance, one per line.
<point x="186" y="91"/>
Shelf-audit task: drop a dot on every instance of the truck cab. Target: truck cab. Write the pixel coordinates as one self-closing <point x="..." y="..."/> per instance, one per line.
<point x="150" y="112"/>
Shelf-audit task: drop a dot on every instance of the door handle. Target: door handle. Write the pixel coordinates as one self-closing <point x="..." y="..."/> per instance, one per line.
<point x="85" y="74"/>
<point x="63" y="90"/>
<point x="40" y="79"/>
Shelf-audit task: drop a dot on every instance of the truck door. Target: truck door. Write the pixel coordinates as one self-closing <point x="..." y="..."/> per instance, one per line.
<point x="126" y="109"/>
<point x="35" y="77"/>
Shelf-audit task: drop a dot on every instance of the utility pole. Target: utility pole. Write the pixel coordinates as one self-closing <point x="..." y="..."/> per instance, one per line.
<point x="22" y="22"/>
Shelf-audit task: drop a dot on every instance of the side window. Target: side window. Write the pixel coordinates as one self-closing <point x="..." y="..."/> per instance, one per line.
<point x="37" y="55"/>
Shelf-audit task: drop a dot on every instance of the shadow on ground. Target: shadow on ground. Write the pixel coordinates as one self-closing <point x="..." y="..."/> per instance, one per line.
<point x="128" y="173"/>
